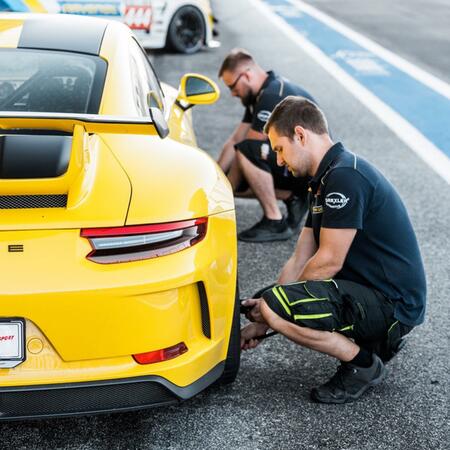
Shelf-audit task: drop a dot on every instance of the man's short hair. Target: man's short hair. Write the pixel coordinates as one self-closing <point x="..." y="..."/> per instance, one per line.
<point x="234" y="59"/>
<point x="293" y="111"/>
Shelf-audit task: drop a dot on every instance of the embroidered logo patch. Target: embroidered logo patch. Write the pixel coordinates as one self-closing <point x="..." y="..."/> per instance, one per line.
<point x="263" y="115"/>
<point x="317" y="209"/>
<point x="265" y="149"/>
<point x="336" y="200"/>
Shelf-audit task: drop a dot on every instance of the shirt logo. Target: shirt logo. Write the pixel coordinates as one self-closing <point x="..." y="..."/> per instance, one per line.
<point x="265" y="149"/>
<point x="336" y="200"/>
<point x="263" y="115"/>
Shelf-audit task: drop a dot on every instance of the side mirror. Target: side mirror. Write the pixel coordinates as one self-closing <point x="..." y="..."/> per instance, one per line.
<point x="197" y="89"/>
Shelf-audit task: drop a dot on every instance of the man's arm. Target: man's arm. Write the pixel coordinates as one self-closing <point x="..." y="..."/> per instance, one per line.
<point x="305" y="249"/>
<point x="323" y="264"/>
<point x="228" y="152"/>
<point x="329" y="258"/>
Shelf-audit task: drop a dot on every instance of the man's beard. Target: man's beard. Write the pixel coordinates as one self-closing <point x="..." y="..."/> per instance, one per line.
<point x="248" y="99"/>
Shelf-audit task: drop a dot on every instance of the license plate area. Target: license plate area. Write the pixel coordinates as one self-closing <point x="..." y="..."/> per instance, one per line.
<point x="12" y="342"/>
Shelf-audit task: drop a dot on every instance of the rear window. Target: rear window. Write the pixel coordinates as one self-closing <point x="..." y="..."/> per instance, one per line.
<point x="46" y="81"/>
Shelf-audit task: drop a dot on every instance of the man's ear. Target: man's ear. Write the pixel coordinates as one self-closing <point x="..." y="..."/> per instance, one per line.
<point x="299" y="134"/>
<point x="247" y="75"/>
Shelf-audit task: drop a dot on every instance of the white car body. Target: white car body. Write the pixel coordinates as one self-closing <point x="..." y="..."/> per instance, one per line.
<point x="162" y="12"/>
<point x="149" y="19"/>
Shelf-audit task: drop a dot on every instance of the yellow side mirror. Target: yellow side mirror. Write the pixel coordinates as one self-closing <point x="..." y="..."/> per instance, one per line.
<point x="197" y="89"/>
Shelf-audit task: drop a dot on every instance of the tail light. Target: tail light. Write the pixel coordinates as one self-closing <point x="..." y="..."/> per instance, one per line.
<point x="161" y="355"/>
<point x="137" y="242"/>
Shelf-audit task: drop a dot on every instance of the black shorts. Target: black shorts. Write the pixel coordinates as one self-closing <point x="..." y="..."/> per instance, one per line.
<point x="356" y="311"/>
<point x="262" y="156"/>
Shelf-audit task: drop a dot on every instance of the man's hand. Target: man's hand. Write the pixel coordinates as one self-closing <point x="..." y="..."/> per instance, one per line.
<point x="250" y="332"/>
<point x="254" y="315"/>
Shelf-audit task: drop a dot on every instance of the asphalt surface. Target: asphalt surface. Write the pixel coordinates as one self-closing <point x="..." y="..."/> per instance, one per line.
<point x="417" y="30"/>
<point x="268" y="406"/>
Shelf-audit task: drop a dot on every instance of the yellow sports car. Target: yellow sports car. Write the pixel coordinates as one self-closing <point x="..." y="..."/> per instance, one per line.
<point x="117" y="234"/>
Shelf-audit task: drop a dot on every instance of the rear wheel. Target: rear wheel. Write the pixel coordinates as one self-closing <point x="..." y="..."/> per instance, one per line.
<point x="187" y="31"/>
<point x="233" y="359"/>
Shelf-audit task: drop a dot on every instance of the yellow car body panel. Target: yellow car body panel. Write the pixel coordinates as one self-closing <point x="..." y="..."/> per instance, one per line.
<point x="180" y="122"/>
<point x="198" y="195"/>
<point x="85" y="320"/>
<point x="96" y="316"/>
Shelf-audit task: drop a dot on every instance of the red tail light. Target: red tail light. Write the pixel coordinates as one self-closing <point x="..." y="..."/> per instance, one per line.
<point x="137" y="242"/>
<point x="161" y="355"/>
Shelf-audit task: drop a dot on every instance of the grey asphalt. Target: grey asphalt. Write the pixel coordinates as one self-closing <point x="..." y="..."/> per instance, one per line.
<point x="268" y="406"/>
<point x="417" y="30"/>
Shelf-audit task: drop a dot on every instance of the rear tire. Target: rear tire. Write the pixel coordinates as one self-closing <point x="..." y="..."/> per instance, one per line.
<point x="187" y="30"/>
<point x="233" y="359"/>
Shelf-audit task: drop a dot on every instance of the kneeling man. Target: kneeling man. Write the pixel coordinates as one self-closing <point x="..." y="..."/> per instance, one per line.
<point x="355" y="285"/>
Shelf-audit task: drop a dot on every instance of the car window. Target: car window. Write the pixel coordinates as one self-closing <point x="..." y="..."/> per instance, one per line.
<point x="139" y="88"/>
<point x="146" y="78"/>
<point x="47" y="81"/>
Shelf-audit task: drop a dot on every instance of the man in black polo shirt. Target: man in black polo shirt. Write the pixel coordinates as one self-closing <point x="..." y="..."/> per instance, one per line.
<point x="355" y="284"/>
<point x="246" y="156"/>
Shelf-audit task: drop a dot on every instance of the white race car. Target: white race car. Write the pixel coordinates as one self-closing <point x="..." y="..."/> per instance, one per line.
<point x="184" y="25"/>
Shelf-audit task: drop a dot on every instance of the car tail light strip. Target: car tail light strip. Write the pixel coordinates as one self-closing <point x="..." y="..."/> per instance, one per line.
<point x="107" y="243"/>
<point x="138" y="242"/>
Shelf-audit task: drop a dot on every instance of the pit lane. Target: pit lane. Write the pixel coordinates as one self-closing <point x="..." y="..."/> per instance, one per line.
<point x="268" y="406"/>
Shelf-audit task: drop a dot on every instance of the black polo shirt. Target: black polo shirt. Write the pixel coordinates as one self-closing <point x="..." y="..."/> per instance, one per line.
<point x="348" y="192"/>
<point x="274" y="89"/>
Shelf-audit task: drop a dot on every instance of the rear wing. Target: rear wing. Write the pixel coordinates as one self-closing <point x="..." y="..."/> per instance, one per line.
<point x="92" y="123"/>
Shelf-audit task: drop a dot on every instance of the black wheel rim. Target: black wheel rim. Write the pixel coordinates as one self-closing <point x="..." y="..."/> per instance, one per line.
<point x="188" y="29"/>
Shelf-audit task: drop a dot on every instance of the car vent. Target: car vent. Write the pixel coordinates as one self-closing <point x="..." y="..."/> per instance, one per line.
<point x="204" y="308"/>
<point x="33" y="201"/>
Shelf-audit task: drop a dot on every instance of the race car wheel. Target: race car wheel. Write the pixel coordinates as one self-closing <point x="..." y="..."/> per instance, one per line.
<point x="234" y="346"/>
<point x="187" y="31"/>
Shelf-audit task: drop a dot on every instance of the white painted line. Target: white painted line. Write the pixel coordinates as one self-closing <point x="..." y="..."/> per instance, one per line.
<point x="412" y="70"/>
<point x="425" y="149"/>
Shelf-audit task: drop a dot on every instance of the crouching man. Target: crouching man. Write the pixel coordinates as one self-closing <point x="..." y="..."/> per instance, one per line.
<point x="355" y="285"/>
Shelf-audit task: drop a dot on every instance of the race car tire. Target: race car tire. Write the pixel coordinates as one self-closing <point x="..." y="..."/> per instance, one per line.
<point x="187" y="30"/>
<point x="232" y="362"/>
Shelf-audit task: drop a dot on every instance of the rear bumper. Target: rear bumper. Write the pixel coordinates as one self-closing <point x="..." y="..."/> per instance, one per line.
<point x="72" y="399"/>
<point x="84" y="321"/>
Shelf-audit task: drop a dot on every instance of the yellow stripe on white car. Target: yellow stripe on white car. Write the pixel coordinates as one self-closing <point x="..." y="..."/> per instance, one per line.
<point x="10" y="32"/>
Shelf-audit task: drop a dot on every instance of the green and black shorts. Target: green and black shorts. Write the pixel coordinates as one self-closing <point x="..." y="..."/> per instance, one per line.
<point x="358" y="312"/>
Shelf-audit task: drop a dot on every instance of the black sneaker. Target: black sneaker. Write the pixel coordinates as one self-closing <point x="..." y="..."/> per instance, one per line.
<point x="296" y="209"/>
<point x="267" y="230"/>
<point x="350" y="382"/>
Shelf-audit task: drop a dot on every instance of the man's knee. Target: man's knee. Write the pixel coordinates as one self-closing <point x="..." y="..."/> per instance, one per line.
<point x="307" y="337"/>
<point x="276" y="321"/>
<point x="244" y="160"/>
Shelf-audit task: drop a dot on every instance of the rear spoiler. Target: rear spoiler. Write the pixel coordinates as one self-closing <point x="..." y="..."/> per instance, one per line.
<point x="92" y="123"/>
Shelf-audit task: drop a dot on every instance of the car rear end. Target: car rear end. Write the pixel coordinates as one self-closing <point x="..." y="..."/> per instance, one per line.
<point x="155" y="330"/>
<point x="97" y="313"/>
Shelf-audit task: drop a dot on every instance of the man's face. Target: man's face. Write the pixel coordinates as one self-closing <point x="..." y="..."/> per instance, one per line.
<point x="291" y="152"/>
<point x="239" y="83"/>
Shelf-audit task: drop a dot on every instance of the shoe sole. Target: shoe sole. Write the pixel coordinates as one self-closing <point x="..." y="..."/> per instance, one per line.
<point x="281" y="237"/>
<point x="350" y="397"/>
